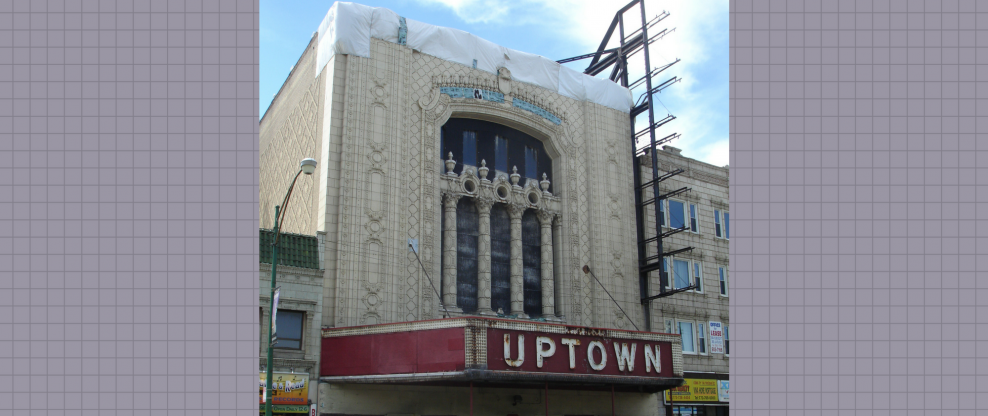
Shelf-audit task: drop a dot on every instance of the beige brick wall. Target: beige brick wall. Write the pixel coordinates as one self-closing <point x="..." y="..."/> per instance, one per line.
<point x="385" y="115"/>
<point x="709" y="186"/>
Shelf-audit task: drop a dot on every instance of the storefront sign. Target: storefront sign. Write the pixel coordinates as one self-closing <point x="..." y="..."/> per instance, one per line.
<point x="287" y="389"/>
<point x="723" y="387"/>
<point x="580" y="352"/>
<point x="287" y="408"/>
<point x="695" y="390"/>
<point x="716" y="338"/>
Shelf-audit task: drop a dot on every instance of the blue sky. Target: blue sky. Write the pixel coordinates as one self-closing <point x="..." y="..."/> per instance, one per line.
<point x="555" y="29"/>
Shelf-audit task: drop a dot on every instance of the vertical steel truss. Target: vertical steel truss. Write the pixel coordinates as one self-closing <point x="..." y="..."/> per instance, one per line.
<point x="617" y="59"/>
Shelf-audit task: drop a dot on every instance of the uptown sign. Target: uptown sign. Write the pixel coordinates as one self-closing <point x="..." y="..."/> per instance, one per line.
<point x="571" y="353"/>
<point x="489" y="350"/>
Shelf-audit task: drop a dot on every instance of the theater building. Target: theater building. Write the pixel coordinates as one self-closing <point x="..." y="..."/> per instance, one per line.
<point x="462" y="189"/>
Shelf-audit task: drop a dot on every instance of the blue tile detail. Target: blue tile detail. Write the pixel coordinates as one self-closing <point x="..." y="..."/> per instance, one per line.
<point x="524" y="105"/>
<point x="460" y="92"/>
<point x="402" y="31"/>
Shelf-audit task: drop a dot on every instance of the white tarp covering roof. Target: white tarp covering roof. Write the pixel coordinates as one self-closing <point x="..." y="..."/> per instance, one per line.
<point x="348" y="28"/>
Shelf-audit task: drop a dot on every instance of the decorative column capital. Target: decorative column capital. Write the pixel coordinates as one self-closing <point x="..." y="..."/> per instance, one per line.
<point x="484" y="205"/>
<point x="515" y="211"/>
<point x="450" y="200"/>
<point x="546" y="217"/>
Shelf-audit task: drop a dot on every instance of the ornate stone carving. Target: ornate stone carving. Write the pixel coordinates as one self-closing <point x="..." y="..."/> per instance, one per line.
<point x="517" y="267"/>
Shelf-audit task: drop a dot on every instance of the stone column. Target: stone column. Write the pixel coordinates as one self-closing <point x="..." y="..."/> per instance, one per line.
<point x="548" y="281"/>
<point x="449" y="250"/>
<point x="517" y="267"/>
<point x="484" y="257"/>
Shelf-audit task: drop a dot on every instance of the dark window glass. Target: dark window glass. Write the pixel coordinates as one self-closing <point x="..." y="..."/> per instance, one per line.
<point x="500" y="154"/>
<point x="467" y="234"/>
<point x="697" y="277"/>
<point x="676" y="211"/>
<point x="469" y="148"/>
<point x="723" y="282"/>
<point x="693" y="226"/>
<point x="727" y="340"/>
<point x="289" y="328"/>
<point x="497" y="152"/>
<point x="531" y="241"/>
<point x="500" y="259"/>
<point x="531" y="163"/>
<point x="717" y="223"/>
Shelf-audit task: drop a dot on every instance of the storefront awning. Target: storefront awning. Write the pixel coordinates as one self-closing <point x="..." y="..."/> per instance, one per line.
<point x="485" y="352"/>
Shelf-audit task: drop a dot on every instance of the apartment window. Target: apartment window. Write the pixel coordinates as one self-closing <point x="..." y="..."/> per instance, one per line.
<point x="723" y="280"/>
<point x="500" y="154"/>
<point x="694" y="225"/>
<point x="685" y="330"/>
<point x="727" y="340"/>
<point x="469" y="148"/>
<point x="727" y="225"/>
<point x="698" y="277"/>
<point x="677" y="211"/>
<point x="722" y="224"/>
<point x="662" y="212"/>
<point x="717" y="227"/>
<point x="289" y="328"/>
<point x="681" y="273"/>
<point x="702" y="337"/>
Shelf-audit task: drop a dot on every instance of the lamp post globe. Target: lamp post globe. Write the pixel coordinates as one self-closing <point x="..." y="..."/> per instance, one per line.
<point x="308" y="165"/>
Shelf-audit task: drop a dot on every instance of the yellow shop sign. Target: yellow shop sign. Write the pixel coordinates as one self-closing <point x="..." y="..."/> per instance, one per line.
<point x="288" y="389"/>
<point x="695" y="390"/>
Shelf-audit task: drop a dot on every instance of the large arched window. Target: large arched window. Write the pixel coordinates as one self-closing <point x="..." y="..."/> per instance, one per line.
<point x="502" y="147"/>
<point x="500" y="259"/>
<point x="531" y="241"/>
<point x="467" y="226"/>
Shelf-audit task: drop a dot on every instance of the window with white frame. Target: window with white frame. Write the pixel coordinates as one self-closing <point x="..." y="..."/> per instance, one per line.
<point x="683" y="274"/>
<point x="685" y="329"/>
<point x="722" y="224"/>
<point x="722" y="272"/>
<point x="694" y="221"/>
<point x="701" y="337"/>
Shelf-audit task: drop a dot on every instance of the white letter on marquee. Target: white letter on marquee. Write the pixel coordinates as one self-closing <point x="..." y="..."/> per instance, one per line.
<point x="507" y="350"/>
<point x="540" y="353"/>
<point x="603" y="355"/>
<point x="572" y="343"/>
<point x="623" y="357"/>
<point x="652" y="359"/>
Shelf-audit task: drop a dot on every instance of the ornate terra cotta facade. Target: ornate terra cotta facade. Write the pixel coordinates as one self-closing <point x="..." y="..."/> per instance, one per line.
<point x="382" y="185"/>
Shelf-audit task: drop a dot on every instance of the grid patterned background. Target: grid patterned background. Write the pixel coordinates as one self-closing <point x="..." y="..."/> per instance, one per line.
<point x="856" y="174"/>
<point x="128" y="207"/>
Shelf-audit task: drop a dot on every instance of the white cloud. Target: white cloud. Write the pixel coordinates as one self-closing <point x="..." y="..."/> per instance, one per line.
<point x="700" y="39"/>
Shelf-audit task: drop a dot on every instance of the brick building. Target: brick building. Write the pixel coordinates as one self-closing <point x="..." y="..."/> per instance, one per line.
<point x="697" y="313"/>
<point x="461" y="190"/>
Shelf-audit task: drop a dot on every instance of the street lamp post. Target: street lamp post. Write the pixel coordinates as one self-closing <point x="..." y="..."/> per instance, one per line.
<point x="307" y="166"/>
